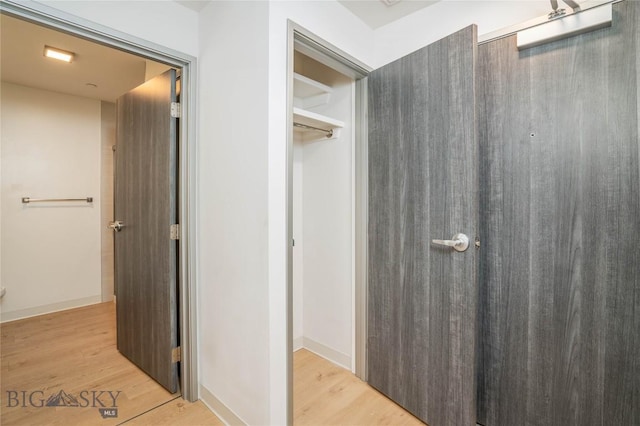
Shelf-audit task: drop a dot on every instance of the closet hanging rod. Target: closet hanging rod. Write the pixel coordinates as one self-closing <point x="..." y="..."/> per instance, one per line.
<point x="27" y="200"/>
<point x="329" y="132"/>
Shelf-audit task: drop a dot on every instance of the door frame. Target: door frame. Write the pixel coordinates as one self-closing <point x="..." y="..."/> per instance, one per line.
<point x="58" y="20"/>
<point x="300" y="39"/>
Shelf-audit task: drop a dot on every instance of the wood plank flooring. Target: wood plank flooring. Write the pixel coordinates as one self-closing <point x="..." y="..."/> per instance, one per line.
<point x="177" y="412"/>
<point x="75" y="351"/>
<point x="325" y="394"/>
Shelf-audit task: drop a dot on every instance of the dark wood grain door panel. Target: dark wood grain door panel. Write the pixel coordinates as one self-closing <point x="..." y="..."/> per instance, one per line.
<point x="423" y="184"/>
<point x="560" y="203"/>
<point x="145" y="201"/>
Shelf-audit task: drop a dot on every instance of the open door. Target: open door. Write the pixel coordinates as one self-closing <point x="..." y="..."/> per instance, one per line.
<point x="423" y="186"/>
<point x="145" y="210"/>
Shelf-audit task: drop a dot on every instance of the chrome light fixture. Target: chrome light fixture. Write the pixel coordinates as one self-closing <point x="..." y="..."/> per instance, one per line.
<point x="569" y="25"/>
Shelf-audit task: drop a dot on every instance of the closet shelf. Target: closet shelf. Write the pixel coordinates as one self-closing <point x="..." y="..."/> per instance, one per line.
<point x="313" y="119"/>
<point x="304" y="87"/>
<point x="308" y="93"/>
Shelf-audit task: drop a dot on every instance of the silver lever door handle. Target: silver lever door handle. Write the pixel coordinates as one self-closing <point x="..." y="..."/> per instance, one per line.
<point x="459" y="242"/>
<point x="116" y="225"/>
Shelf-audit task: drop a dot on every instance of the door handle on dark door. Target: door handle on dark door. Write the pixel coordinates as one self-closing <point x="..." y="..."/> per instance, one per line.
<point x="116" y="225"/>
<point x="459" y="242"/>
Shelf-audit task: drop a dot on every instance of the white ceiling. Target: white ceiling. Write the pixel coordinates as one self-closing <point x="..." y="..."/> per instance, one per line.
<point x="375" y="13"/>
<point x="196" y="5"/>
<point x="115" y="72"/>
<point x="22" y="62"/>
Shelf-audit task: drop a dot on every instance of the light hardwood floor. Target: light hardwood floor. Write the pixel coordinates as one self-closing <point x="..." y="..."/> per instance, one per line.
<point x="75" y="351"/>
<point x="325" y="394"/>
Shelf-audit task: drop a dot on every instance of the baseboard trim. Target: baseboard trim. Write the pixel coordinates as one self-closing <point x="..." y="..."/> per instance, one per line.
<point x="224" y="413"/>
<point x="48" y="309"/>
<point x="298" y="343"/>
<point x="330" y="354"/>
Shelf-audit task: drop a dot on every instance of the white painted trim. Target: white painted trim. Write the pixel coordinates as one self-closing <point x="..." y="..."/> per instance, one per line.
<point x="361" y="225"/>
<point x="298" y="343"/>
<point x="50" y="308"/>
<point x="330" y="354"/>
<point x="224" y="413"/>
<point x="354" y="224"/>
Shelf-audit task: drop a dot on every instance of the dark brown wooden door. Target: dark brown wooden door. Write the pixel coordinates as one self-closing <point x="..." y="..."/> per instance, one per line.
<point x="423" y="185"/>
<point x="145" y="203"/>
<point x="560" y="201"/>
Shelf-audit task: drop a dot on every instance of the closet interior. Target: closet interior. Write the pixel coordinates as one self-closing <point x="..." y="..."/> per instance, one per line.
<point x="323" y="205"/>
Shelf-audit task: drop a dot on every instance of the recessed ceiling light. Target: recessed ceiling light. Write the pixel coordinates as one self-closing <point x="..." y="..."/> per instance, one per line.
<point x="61" y="55"/>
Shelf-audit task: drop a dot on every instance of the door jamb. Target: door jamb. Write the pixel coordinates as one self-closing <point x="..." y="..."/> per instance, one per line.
<point x="311" y="45"/>
<point x="62" y="21"/>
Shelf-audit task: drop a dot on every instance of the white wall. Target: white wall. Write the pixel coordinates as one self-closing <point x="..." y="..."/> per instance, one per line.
<point x="160" y="21"/>
<point x="298" y="235"/>
<point x="432" y="23"/>
<point x="243" y="304"/>
<point x="232" y="216"/>
<point x="108" y="140"/>
<point x="327" y="198"/>
<point x="322" y="229"/>
<point x="50" y="252"/>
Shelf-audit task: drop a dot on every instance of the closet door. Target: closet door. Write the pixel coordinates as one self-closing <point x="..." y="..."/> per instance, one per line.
<point x="560" y="230"/>
<point x="423" y="185"/>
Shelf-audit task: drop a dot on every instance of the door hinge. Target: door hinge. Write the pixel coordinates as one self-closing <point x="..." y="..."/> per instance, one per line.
<point x="175" y="109"/>
<point x="174" y="232"/>
<point x="175" y="355"/>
